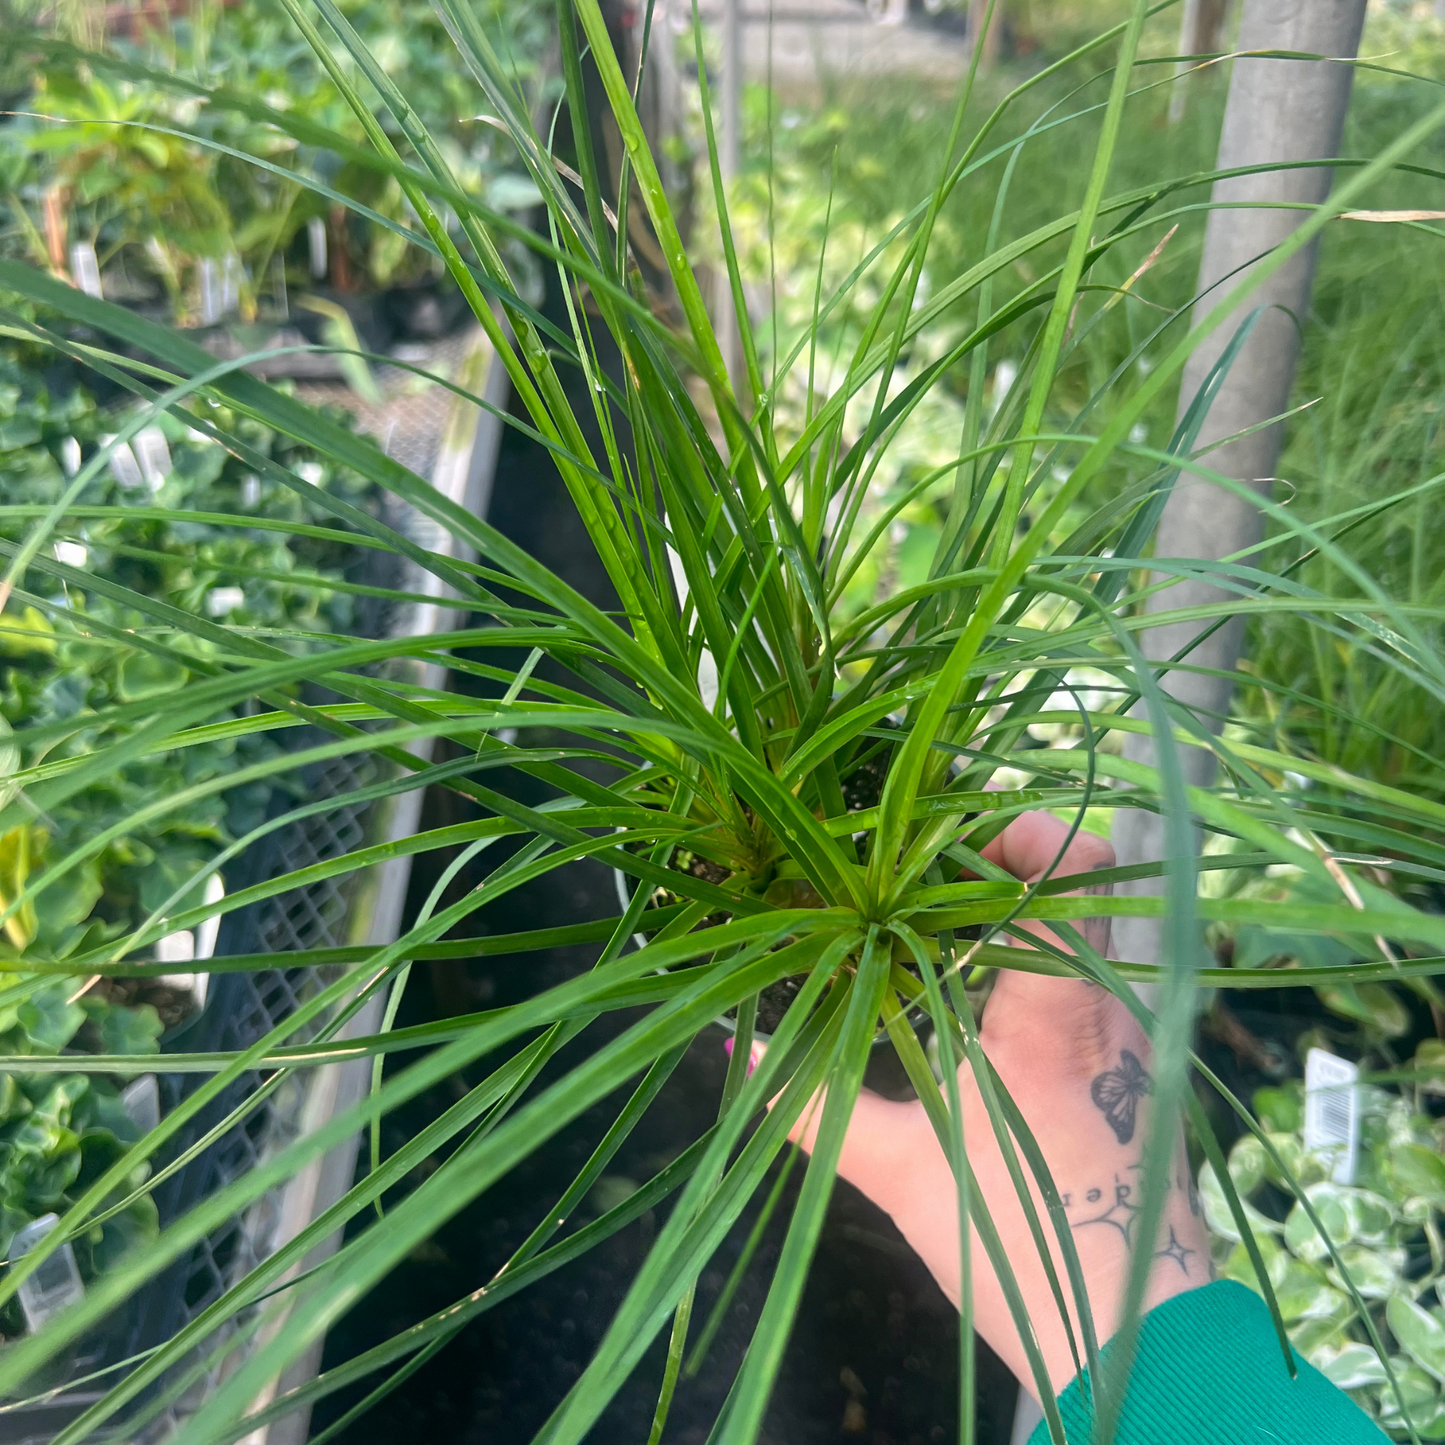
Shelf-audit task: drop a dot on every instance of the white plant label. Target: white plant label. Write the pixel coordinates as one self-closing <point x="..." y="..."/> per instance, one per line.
<point x="177" y="947"/>
<point x="56" y="1284"/>
<point x="212" y="305"/>
<point x="123" y="465"/>
<point x="207" y="932"/>
<point x="221" y="601"/>
<point x="316" y="246"/>
<point x="141" y="1100"/>
<point x="232" y="275"/>
<point x="153" y="455"/>
<point x="1332" y="1112"/>
<point x="85" y="268"/>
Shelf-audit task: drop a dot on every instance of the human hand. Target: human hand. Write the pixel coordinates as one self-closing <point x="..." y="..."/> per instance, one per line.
<point x="1076" y="1063"/>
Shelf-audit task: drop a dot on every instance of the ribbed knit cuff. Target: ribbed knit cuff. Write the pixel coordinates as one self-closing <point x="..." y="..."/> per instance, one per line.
<point x="1208" y="1371"/>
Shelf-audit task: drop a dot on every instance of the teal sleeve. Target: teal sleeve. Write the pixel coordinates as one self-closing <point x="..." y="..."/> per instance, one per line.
<point x="1209" y="1371"/>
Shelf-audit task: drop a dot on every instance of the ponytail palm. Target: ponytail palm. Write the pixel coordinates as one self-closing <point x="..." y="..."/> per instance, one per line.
<point x="736" y="703"/>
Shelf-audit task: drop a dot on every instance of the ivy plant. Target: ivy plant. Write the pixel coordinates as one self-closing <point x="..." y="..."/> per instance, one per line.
<point x="1385" y="1226"/>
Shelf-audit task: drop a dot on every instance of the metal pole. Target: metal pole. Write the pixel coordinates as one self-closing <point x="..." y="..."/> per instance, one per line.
<point x="1277" y="111"/>
<point x="729" y="161"/>
<point x="732" y="90"/>
<point x="1201" y="32"/>
<point x="991" y="42"/>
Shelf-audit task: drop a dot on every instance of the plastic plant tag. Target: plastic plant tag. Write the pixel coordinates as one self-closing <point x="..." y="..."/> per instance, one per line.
<point x="85" y="268"/>
<point x="207" y="932"/>
<point x="316" y="245"/>
<point x="141" y="1100"/>
<point x="222" y="600"/>
<point x="56" y="1284"/>
<point x="1332" y="1112"/>
<point x="178" y="947"/>
<point x="212" y="302"/>
<point x="232" y="275"/>
<point x="123" y="465"/>
<point x="183" y="946"/>
<point x="154" y="456"/>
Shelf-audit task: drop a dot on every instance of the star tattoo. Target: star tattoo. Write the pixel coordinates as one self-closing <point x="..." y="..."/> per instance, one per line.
<point x="1176" y="1251"/>
<point x="1120" y="1212"/>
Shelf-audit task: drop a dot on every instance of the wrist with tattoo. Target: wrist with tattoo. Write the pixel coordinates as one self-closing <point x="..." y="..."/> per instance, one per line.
<point x="1110" y="1204"/>
<point x="1075" y="1065"/>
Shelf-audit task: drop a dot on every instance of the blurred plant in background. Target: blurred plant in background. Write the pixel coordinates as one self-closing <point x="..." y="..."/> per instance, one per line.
<point x="94" y="159"/>
<point x="1386" y="1225"/>
<point x="57" y="667"/>
<point x="148" y="527"/>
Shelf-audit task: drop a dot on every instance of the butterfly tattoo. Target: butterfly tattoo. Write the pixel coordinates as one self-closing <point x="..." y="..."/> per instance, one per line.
<point x="1116" y="1094"/>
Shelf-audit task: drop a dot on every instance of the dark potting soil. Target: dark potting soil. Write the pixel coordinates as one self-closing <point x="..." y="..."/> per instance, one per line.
<point x="873" y="1356"/>
<point x="863" y="786"/>
<point x="774" y="1002"/>
<point x="174" y="1006"/>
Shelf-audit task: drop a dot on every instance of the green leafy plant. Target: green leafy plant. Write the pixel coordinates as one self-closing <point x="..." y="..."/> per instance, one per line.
<point x="740" y="710"/>
<point x="1385" y="1226"/>
<point x="111" y="154"/>
<point x="60" y="667"/>
<point x="58" y="1135"/>
<point x="180" y="541"/>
